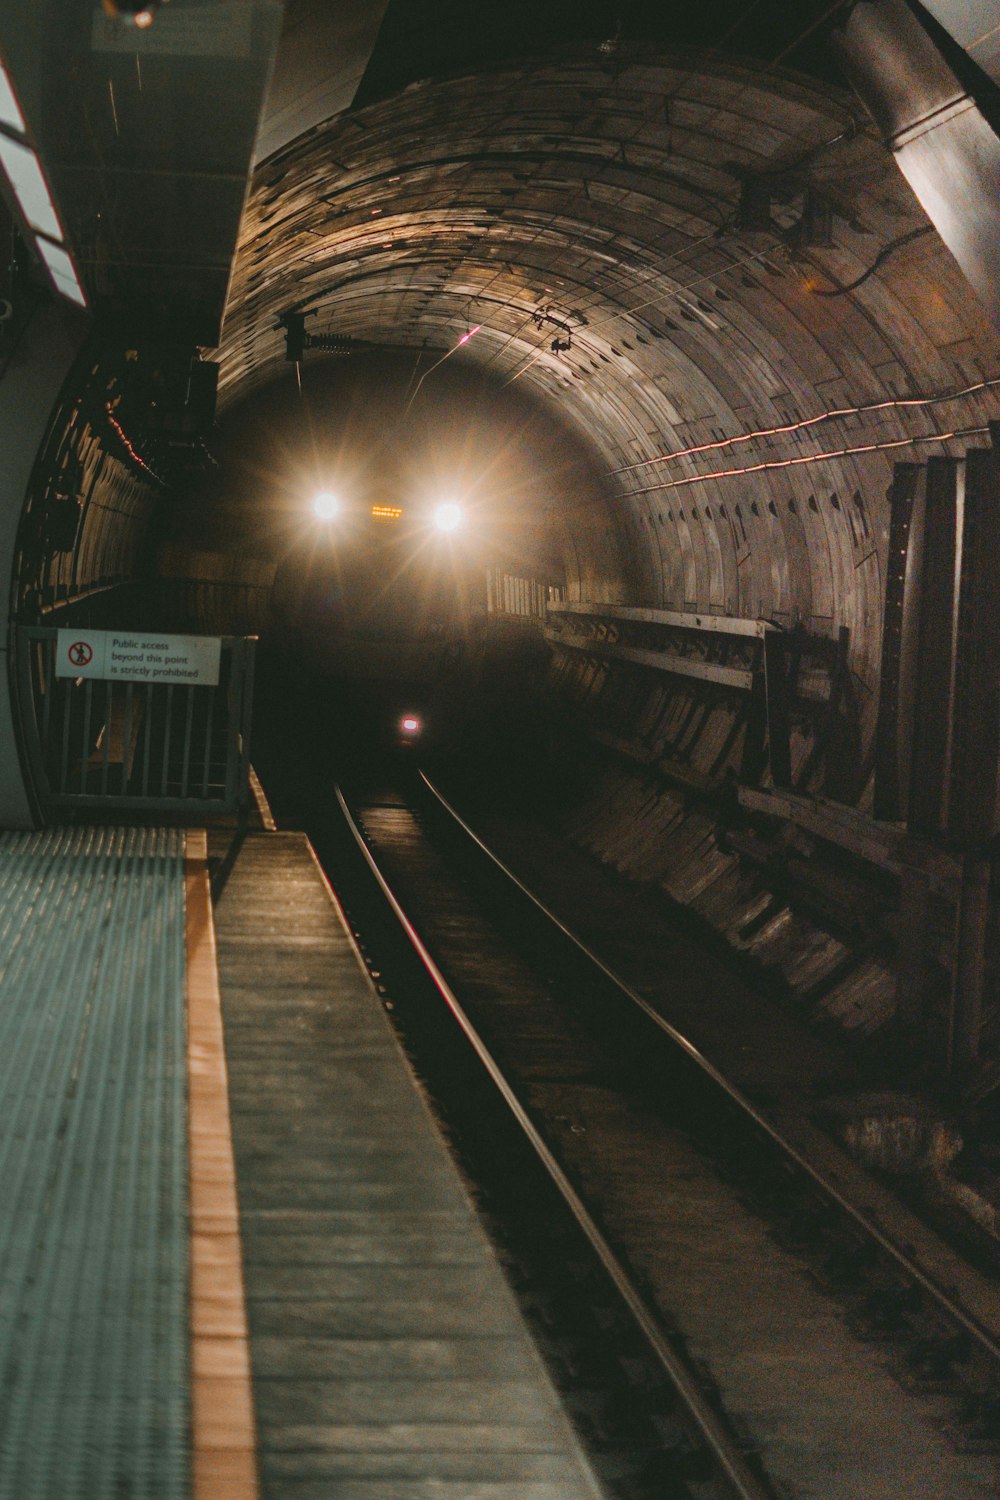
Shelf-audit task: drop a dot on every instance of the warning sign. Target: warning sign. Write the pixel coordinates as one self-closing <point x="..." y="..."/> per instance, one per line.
<point x="130" y="657"/>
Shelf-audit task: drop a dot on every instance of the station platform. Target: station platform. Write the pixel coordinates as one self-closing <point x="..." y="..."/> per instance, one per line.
<point x="236" y="1258"/>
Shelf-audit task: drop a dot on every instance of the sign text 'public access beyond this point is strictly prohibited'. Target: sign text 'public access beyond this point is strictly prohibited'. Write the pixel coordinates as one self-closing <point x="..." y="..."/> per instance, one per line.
<point x="126" y="656"/>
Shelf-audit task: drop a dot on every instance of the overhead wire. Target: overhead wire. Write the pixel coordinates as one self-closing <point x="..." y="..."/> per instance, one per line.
<point x="659" y="270"/>
<point x="665" y="105"/>
<point x="674" y="294"/>
<point x="453" y="350"/>
<point x="532" y="317"/>
<point x="803" y="36"/>
<point x="666" y="296"/>
<point x="715" y="235"/>
<point x="813" y="26"/>
<point x="653" y="276"/>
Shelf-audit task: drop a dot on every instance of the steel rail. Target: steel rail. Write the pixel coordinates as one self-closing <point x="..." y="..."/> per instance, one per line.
<point x="932" y="1288"/>
<point x="712" y="1430"/>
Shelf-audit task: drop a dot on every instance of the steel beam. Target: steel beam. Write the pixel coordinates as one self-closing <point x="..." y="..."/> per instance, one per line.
<point x="675" y="619"/>
<point x="975" y="756"/>
<point x="892" y="745"/>
<point x="891" y="849"/>
<point x="912" y="947"/>
<point x="935" y="650"/>
<point x="754" y="758"/>
<point x="776" y="700"/>
<point x="969" y="981"/>
<point x="975" y="26"/>
<point x="660" y="661"/>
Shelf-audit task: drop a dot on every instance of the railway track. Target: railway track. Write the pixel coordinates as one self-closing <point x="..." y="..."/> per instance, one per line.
<point x="721" y="1321"/>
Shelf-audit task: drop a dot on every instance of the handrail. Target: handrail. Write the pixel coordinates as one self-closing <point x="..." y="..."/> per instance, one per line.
<point x="670" y="618"/>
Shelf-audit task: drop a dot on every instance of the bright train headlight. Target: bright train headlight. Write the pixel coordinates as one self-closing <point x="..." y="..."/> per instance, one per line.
<point x="325" y="506"/>
<point x="448" y="517"/>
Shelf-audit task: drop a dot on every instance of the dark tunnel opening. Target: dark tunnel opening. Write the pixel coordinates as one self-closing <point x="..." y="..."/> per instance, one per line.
<point x="376" y="611"/>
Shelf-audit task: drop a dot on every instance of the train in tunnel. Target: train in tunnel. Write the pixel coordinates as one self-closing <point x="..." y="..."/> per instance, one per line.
<point x="397" y="611"/>
<point x="382" y="594"/>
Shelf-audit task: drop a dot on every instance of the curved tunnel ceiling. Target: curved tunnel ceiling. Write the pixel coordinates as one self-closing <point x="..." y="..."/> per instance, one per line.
<point x="583" y="213"/>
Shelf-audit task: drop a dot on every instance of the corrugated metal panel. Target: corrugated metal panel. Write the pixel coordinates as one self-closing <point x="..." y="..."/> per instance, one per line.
<point x="93" y="1166"/>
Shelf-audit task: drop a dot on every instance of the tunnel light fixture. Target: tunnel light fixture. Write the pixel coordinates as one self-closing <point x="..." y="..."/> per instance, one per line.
<point x="10" y="110"/>
<point x="410" y="724"/>
<point x="325" y="506"/>
<point x="448" y="517"/>
<point x="62" y="271"/>
<point x="28" y="184"/>
<point x="30" y="188"/>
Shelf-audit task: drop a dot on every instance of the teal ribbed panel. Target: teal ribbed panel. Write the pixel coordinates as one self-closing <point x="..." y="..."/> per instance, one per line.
<point x="94" y="1389"/>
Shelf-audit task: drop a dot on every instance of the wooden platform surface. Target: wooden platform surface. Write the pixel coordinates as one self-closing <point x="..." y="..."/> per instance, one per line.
<point x="390" y="1361"/>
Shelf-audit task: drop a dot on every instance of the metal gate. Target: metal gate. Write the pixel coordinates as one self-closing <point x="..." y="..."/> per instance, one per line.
<point x="155" y="747"/>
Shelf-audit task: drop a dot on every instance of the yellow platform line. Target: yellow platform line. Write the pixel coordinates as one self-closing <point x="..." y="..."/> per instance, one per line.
<point x="223" y="1431"/>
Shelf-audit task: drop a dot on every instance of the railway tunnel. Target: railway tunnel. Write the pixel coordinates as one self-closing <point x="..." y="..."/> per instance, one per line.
<point x="694" y="315"/>
<point x="698" y="283"/>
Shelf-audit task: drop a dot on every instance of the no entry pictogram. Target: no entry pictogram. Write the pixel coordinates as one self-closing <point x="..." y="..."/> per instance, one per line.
<point x="138" y="656"/>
